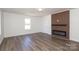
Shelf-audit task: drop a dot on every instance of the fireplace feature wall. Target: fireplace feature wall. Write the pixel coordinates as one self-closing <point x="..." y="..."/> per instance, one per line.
<point x="60" y="24"/>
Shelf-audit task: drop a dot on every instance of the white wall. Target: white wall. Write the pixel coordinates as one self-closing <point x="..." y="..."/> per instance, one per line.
<point x="74" y="24"/>
<point x="46" y="24"/>
<point x="1" y="27"/>
<point x="14" y="24"/>
<point x="0" y="22"/>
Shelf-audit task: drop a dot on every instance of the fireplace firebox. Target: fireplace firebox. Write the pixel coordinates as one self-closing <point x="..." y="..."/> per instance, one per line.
<point x="59" y="32"/>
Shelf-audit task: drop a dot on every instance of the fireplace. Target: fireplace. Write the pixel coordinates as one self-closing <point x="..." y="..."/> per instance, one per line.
<point x="60" y="24"/>
<point x="59" y="32"/>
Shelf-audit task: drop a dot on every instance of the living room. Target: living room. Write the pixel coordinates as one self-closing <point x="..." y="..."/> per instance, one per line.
<point x="59" y="23"/>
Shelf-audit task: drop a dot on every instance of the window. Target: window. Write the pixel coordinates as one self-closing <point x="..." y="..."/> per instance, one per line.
<point x="27" y="23"/>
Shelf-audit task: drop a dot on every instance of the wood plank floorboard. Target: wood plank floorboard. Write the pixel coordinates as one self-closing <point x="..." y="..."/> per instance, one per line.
<point x="38" y="42"/>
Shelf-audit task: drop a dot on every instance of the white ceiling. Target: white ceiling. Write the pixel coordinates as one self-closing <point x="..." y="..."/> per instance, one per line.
<point x="34" y="11"/>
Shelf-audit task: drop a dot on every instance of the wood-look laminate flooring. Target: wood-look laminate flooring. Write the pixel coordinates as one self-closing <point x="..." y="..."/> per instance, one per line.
<point x="38" y="42"/>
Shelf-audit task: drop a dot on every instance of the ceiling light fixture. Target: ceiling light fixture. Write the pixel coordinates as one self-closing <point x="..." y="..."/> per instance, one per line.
<point x="40" y="9"/>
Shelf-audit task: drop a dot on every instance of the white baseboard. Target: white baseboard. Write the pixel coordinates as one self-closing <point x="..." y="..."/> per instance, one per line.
<point x="19" y="34"/>
<point x="76" y="40"/>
